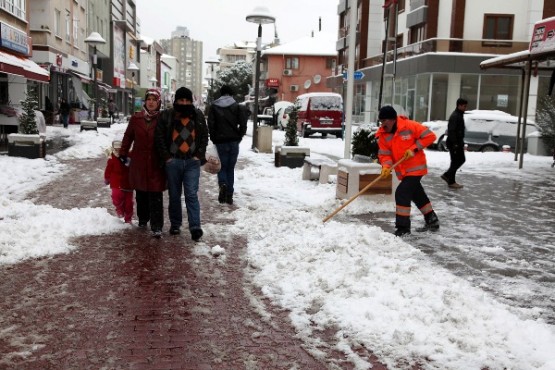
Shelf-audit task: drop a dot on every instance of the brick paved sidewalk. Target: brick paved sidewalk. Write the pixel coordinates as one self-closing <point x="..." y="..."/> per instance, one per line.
<point x="128" y="301"/>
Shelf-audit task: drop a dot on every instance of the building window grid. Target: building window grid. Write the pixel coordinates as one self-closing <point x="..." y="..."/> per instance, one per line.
<point x="14" y="7"/>
<point x="292" y="63"/>
<point x="498" y="26"/>
<point x="57" y="17"/>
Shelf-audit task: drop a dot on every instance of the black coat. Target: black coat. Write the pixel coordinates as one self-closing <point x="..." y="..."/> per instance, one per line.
<point x="455" y="128"/>
<point x="164" y="130"/>
<point x="226" y="124"/>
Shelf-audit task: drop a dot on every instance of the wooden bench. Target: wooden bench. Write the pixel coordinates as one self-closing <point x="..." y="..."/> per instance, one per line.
<point x="319" y="168"/>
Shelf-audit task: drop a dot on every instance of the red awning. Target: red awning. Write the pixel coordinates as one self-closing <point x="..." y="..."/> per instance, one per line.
<point x="22" y="66"/>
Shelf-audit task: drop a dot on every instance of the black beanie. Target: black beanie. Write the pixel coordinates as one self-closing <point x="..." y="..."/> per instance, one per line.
<point x="387" y="112"/>
<point x="183" y="93"/>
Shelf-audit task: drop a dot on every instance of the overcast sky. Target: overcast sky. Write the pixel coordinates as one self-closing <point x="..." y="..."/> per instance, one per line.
<point x="221" y="22"/>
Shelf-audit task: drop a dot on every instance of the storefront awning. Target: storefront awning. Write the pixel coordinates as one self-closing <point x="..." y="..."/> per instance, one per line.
<point x="24" y="67"/>
<point x="82" y="77"/>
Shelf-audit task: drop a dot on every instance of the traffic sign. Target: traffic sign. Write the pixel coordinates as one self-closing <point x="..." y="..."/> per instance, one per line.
<point x="358" y="75"/>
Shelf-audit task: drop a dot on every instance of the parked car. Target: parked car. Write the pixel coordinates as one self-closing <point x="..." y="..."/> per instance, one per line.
<point x="320" y="112"/>
<point x="280" y="114"/>
<point x="440" y="129"/>
<point x="489" y="131"/>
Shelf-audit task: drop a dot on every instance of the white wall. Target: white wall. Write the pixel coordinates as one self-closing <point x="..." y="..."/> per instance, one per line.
<point x="475" y="10"/>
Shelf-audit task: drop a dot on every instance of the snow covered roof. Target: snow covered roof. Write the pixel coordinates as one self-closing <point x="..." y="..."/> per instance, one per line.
<point x="322" y="43"/>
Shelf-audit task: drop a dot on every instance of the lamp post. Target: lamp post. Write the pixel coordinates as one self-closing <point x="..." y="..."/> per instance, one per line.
<point x="133" y="68"/>
<point x="95" y="39"/>
<point x="260" y="15"/>
<point x="211" y="63"/>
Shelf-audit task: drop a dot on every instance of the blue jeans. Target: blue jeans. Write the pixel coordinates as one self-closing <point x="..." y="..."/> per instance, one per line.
<point x="183" y="174"/>
<point x="65" y="120"/>
<point x="228" y="153"/>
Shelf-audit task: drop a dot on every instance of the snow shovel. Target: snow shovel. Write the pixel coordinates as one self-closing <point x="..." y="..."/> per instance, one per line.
<point x="360" y="192"/>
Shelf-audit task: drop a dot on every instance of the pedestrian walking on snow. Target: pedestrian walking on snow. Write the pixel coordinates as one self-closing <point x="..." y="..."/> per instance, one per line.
<point x="116" y="175"/>
<point x="455" y="143"/>
<point x="146" y="174"/>
<point x="401" y="138"/>
<point x="181" y="140"/>
<point x="227" y="127"/>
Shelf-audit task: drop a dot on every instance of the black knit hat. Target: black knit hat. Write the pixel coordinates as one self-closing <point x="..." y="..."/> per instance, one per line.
<point x="387" y="112"/>
<point x="183" y="93"/>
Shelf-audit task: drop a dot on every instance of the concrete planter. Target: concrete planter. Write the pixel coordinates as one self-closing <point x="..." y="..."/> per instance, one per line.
<point x="353" y="176"/>
<point x="290" y="156"/>
<point x="105" y="122"/>
<point x="26" y="146"/>
<point x="88" y="125"/>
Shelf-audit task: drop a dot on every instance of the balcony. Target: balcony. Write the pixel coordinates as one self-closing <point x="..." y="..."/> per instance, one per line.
<point x="451" y="46"/>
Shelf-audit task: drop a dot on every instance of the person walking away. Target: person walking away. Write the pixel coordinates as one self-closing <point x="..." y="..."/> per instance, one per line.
<point x="227" y="128"/>
<point x="112" y="108"/>
<point x="146" y="175"/>
<point x="64" y="112"/>
<point x="455" y="143"/>
<point x="181" y="139"/>
<point x="116" y="175"/>
<point x="399" y="137"/>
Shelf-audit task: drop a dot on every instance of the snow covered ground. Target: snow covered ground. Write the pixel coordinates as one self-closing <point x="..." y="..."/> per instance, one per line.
<point x="380" y="291"/>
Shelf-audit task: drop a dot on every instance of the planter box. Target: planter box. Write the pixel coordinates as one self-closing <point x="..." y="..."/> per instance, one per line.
<point x="290" y="156"/>
<point x="26" y="146"/>
<point x="88" y="125"/>
<point x="353" y="176"/>
<point x="105" y="122"/>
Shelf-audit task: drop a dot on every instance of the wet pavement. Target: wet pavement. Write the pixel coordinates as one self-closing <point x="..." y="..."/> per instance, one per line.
<point x="497" y="233"/>
<point x="128" y="301"/>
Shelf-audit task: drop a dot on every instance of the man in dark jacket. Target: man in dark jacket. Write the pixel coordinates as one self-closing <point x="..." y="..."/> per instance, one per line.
<point x="227" y="127"/>
<point x="455" y="143"/>
<point x="181" y="140"/>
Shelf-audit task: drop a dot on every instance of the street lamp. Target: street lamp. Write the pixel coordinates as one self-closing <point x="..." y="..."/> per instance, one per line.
<point x="260" y="15"/>
<point x="211" y="63"/>
<point x="133" y="68"/>
<point x="95" y="39"/>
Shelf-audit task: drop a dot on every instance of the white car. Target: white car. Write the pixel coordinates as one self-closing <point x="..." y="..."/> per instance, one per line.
<point x="440" y="129"/>
<point x="281" y="116"/>
<point x="490" y="131"/>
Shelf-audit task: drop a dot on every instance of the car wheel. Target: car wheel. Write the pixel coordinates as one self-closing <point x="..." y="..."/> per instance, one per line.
<point x="304" y="132"/>
<point x="489" y="148"/>
<point x="324" y="134"/>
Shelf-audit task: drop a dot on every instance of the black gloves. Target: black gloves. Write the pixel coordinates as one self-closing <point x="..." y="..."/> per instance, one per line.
<point x="123" y="160"/>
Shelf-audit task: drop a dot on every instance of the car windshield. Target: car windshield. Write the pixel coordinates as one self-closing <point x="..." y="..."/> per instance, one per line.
<point x="326" y="103"/>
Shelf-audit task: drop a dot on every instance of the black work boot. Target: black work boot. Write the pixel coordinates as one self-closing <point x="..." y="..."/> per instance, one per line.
<point x="432" y="222"/>
<point x="229" y="198"/>
<point x="402" y="231"/>
<point x="222" y="194"/>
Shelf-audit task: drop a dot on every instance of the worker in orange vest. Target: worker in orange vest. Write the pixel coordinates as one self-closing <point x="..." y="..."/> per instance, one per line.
<point x="399" y="137"/>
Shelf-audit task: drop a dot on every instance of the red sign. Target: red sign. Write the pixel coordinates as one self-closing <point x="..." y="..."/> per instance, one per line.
<point x="543" y="37"/>
<point x="272" y="82"/>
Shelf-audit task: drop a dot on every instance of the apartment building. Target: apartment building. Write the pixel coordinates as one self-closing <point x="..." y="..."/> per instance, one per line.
<point x="300" y="66"/>
<point x="433" y="51"/>
<point x="189" y="54"/>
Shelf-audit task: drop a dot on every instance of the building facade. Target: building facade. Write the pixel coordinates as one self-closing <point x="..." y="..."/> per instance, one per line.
<point x="433" y="51"/>
<point x="300" y="66"/>
<point x="189" y="54"/>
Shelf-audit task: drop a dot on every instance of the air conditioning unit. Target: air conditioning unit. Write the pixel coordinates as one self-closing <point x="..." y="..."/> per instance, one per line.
<point x="294" y="88"/>
<point x="288" y="72"/>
